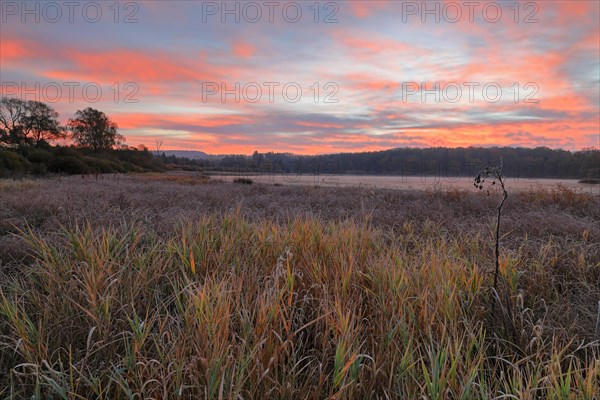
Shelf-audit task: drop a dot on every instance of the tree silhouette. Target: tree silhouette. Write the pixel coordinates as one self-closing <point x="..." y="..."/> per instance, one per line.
<point x="12" y="126"/>
<point x="41" y="122"/>
<point x="157" y="146"/>
<point x="93" y="129"/>
<point x="23" y="123"/>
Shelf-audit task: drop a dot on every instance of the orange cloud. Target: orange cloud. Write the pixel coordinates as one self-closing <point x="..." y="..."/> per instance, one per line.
<point x="530" y="133"/>
<point x="373" y="44"/>
<point x="120" y="65"/>
<point x="243" y="50"/>
<point x="359" y="81"/>
<point x="13" y="49"/>
<point x="363" y="10"/>
<point x="178" y="121"/>
<point x="320" y="125"/>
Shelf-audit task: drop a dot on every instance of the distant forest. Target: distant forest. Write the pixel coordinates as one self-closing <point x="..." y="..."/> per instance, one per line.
<point x="29" y="128"/>
<point x="541" y="162"/>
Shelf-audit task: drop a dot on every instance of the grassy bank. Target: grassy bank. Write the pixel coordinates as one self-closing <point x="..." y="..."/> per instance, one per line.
<point x="144" y="289"/>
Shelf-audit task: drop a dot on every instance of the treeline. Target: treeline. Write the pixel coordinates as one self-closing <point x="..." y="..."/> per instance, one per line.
<point x="27" y="129"/>
<point x="541" y="162"/>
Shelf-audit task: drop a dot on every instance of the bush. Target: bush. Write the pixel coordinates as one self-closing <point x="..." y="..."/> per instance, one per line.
<point x="590" y="181"/>
<point x="102" y="166"/>
<point x="41" y="156"/>
<point x="13" y="162"/>
<point x="243" y="181"/>
<point x="70" y="165"/>
<point x="39" y="169"/>
<point x="71" y="160"/>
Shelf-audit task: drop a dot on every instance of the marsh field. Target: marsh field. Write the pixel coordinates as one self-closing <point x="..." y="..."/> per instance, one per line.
<point x="158" y="286"/>
<point x="406" y="182"/>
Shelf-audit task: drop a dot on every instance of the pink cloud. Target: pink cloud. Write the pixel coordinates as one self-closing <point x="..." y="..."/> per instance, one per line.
<point x="243" y="49"/>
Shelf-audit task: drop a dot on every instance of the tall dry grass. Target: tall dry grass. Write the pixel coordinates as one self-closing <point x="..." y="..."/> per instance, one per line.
<point x="228" y="306"/>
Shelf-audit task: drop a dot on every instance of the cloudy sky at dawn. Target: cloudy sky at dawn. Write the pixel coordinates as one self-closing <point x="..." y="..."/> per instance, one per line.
<point x="314" y="77"/>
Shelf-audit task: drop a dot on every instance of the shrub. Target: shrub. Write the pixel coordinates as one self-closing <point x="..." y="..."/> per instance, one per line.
<point x="41" y="156"/>
<point x="11" y="161"/>
<point x="102" y="166"/>
<point x="243" y="181"/>
<point x="70" y="165"/>
<point x="590" y="181"/>
<point x="38" y="169"/>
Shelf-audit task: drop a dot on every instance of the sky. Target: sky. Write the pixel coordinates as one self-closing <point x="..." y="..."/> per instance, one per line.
<point x="312" y="77"/>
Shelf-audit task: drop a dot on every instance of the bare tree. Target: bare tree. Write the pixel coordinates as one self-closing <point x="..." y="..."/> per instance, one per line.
<point x="494" y="173"/>
<point x="157" y="146"/>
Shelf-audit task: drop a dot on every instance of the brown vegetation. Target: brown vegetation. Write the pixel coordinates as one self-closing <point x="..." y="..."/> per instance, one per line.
<point x="153" y="287"/>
